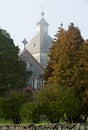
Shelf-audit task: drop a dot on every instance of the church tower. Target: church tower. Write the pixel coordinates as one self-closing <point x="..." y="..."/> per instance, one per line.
<point x="40" y="44"/>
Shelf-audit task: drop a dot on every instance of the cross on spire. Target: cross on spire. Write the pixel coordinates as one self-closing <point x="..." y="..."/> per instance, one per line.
<point x="25" y="43"/>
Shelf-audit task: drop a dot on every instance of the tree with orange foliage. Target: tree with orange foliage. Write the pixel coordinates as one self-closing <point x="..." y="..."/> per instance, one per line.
<point x="67" y="62"/>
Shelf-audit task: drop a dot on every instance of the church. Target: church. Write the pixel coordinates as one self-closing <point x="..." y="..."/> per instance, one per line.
<point x="36" y="52"/>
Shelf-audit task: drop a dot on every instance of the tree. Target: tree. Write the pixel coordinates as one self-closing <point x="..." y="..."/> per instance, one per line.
<point x="54" y="55"/>
<point x="65" y="59"/>
<point x="70" y="105"/>
<point x="49" y="99"/>
<point x="13" y="74"/>
<point x="30" y="112"/>
<point x="10" y="107"/>
<point x="26" y="112"/>
<point x="82" y="82"/>
<point x="64" y="56"/>
<point x="55" y="102"/>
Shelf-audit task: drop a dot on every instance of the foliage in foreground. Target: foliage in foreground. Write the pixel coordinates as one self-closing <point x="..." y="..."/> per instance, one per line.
<point x="55" y="102"/>
<point x="68" y="69"/>
<point x="10" y="107"/>
<point x="65" y="93"/>
<point x="13" y="73"/>
<point x="30" y="112"/>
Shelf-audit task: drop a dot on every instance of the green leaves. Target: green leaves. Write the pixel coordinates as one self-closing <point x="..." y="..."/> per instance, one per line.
<point x="10" y="107"/>
<point x="13" y="73"/>
<point x="30" y="112"/>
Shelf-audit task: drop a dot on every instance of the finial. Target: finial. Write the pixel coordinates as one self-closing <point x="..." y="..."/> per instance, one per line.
<point x="42" y="11"/>
<point x="25" y="43"/>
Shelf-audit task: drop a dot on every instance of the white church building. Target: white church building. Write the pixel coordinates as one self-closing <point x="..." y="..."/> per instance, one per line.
<point x="36" y="53"/>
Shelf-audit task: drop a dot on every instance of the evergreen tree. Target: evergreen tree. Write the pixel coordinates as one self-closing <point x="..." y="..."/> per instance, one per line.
<point x="54" y="55"/>
<point x="64" y="56"/>
<point x="81" y="83"/>
<point x="68" y="65"/>
<point x="13" y="73"/>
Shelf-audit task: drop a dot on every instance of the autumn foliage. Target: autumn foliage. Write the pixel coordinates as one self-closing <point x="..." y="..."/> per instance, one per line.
<point x="68" y="70"/>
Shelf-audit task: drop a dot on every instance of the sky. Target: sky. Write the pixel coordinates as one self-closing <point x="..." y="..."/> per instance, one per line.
<point x="19" y="17"/>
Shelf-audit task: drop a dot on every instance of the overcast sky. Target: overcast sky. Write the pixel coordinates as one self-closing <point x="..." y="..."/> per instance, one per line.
<point x="19" y="17"/>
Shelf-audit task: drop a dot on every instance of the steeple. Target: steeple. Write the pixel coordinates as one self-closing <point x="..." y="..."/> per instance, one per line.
<point x="42" y="25"/>
<point x="41" y="42"/>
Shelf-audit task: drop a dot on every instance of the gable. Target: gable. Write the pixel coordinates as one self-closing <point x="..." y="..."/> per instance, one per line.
<point x="32" y="63"/>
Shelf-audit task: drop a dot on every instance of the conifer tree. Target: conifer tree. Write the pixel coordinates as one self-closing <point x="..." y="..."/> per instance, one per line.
<point x="81" y="83"/>
<point x="13" y="74"/>
<point x="64" y="56"/>
<point x="69" y="65"/>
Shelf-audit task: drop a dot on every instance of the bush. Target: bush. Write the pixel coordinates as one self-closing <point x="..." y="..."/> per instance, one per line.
<point x="29" y="112"/>
<point x="10" y="106"/>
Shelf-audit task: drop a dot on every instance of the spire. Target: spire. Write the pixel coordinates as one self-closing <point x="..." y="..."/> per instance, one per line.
<point x="42" y="20"/>
<point x="42" y="11"/>
<point x="42" y="25"/>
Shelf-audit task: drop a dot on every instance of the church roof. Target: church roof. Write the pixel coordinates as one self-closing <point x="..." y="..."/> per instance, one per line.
<point x="25" y="52"/>
<point x="42" y="22"/>
<point x="39" y="41"/>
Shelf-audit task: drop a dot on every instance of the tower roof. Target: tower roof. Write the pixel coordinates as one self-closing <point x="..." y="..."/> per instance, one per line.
<point x="41" y="42"/>
<point x="42" y="22"/>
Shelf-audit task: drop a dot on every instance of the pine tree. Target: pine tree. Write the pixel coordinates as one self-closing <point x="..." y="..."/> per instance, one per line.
<point x="81" y="83"/>
<point x="64" y="56"/>
<point x="68" y="65"/>
<point x="12" y="68"/>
